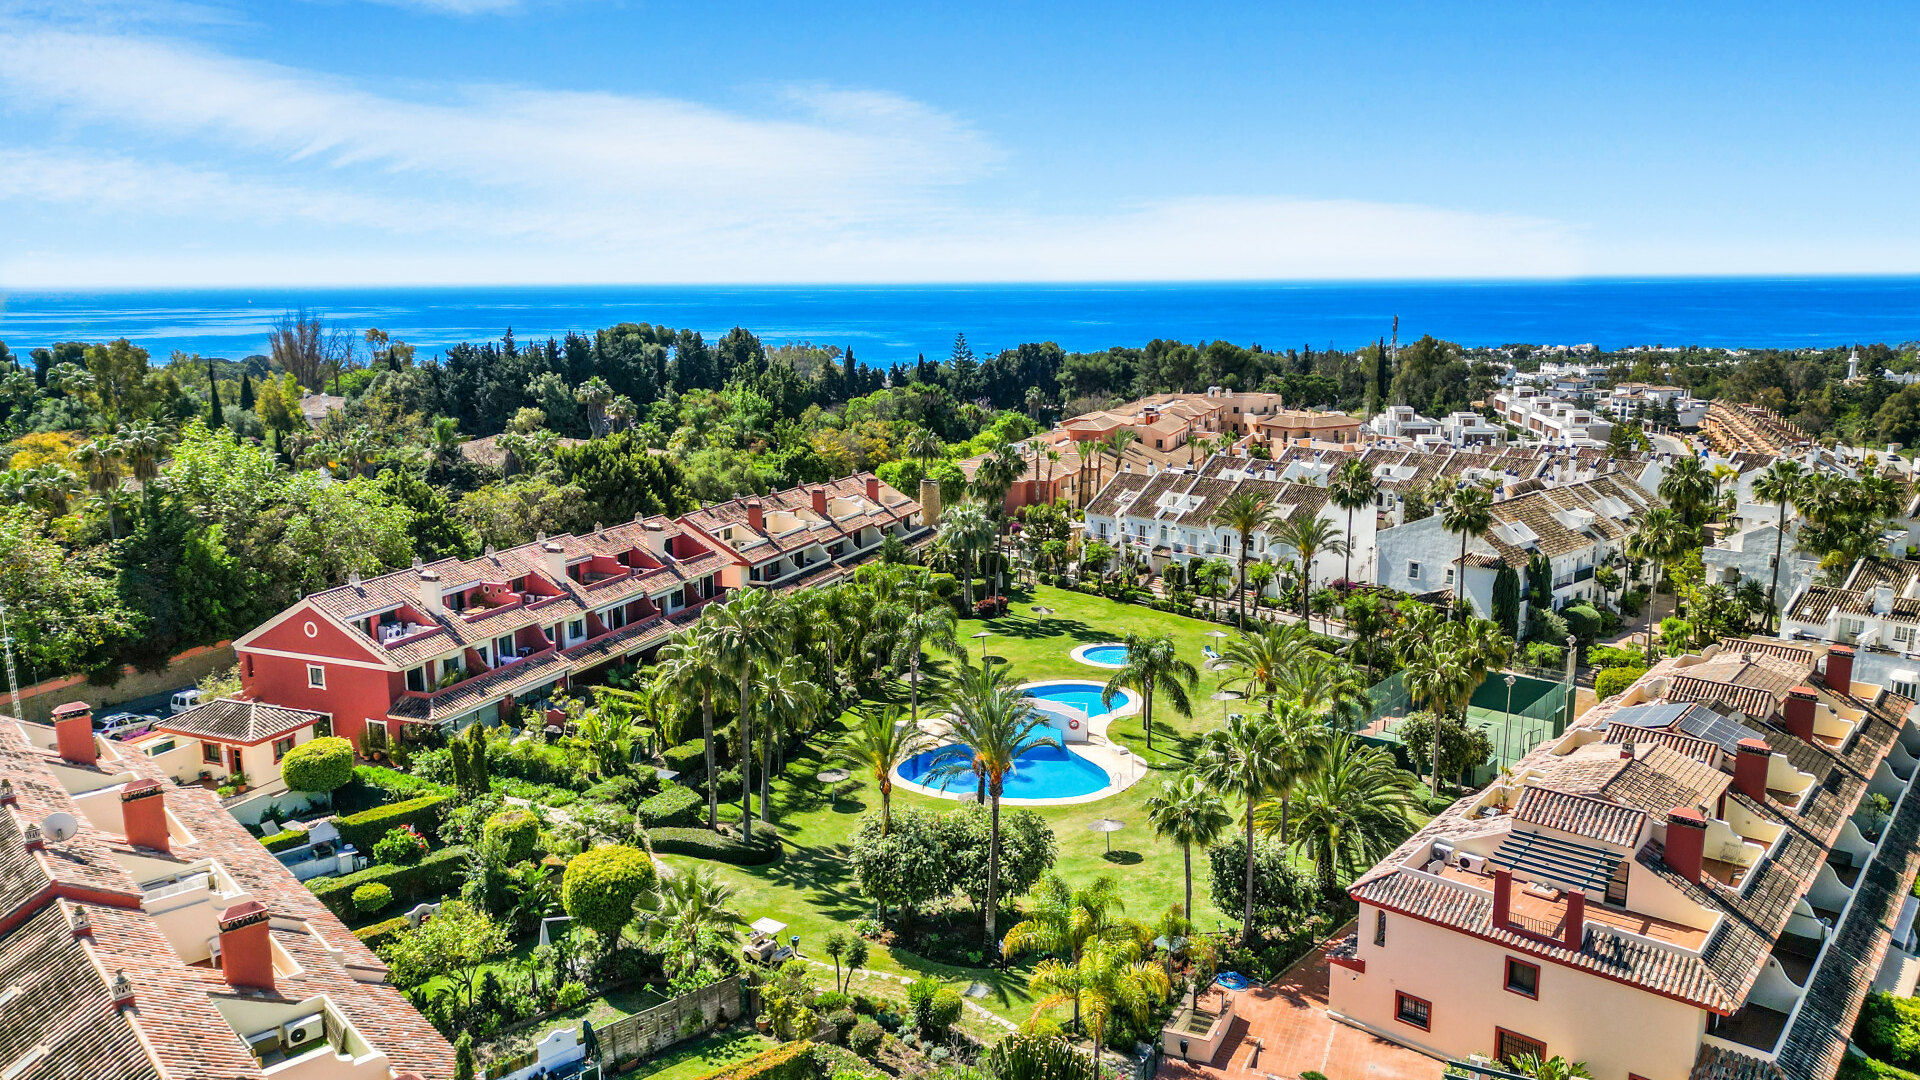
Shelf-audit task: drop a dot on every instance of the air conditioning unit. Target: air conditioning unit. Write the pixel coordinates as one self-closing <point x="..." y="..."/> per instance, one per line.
<point x="264" y="1043"/>
<point x="1472" y="864"/>
<point x="1442" y="850"/>
<point x="304" y="1032"/>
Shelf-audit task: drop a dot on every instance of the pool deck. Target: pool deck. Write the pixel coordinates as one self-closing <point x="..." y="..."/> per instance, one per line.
<point x="1122" y="768"/>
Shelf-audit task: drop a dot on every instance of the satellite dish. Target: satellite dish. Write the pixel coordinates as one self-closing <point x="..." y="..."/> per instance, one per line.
<point x="59" y="826"/>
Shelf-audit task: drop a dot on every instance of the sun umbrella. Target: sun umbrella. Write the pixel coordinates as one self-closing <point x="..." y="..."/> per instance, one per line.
<point x="982" y="637"/>
<point x="832" y="778"/>
<point x="1109" y="826"/>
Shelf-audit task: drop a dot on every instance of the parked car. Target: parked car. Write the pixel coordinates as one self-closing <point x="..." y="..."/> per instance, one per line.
<point x="124" y="725"/>
<point x="184" y="700"/>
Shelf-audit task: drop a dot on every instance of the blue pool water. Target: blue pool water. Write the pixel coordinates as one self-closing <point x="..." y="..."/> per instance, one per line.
<point x="1045" y="772"/>
<point x="1106" y="654"/>
<point x="1084" y="696"/>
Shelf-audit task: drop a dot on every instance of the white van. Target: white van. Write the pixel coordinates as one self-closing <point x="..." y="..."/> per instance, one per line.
<point x="184" y="700"/>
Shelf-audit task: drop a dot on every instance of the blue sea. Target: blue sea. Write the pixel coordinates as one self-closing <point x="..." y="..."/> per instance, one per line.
<point x="887" y="323"/>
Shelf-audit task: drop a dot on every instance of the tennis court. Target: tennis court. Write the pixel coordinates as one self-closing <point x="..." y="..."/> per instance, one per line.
<point x="1515" y="718"/>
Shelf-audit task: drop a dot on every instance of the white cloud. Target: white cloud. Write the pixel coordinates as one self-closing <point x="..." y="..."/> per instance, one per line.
<point x="468" y="183"/>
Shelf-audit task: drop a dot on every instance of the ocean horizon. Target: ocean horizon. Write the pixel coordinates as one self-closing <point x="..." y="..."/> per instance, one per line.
<point x="884" y="324"/>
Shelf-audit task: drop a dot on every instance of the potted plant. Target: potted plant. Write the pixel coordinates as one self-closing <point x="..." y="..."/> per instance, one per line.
<point x="239" y="782"/>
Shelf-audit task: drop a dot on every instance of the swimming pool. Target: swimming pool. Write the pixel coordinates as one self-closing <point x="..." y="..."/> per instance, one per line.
<point x="1082" y="695"/>
<point x="1106" y="654"/>
<point x="1045" y="772"/>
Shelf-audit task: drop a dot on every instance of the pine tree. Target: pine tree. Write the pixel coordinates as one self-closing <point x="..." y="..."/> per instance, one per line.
<point x="217" y="418"/>
<point x="463" y="1066"/>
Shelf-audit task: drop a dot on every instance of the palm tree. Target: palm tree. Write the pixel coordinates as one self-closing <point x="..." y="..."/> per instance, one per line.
<point x="143" y="444"/>
<point x="921" y="620"/>
<point x="743" y="637"/>
<point x="790" y="700"/>
<point x="968" y="530"/>
<point x="1244" y="512"/>
<point x="1443" y="668"/>
<point x="1324" y="686"/>
<point x="1188" y="812"/>
<point x="622" y="411"/>
<point x="1467" y="511"/>
<point x="99" y="461"/>
<point x="595" y="394"/>
<point x="1115" y="443"/>
<point x="1352" y="487"/>
<point x="443" y="441"/>
<point x="1688" y="487"/>
<point x="1354" y="809"/>
<point x="690" y="664"/>
<point x="692" y="910"/>
<point x="1110" y="978"/>
<point x="1153" y="667"/>
<point x="1260" y="576"/>
<point x="925" y="445"/>
<point x="1064" y="920"/>
<point x="879" y="743"/>
<point x="1778" y="485"/>
<point x="1244" y="758"/>
<point x="1262" y="657"/>
<point x="993" y="724"/>
<point x="1310" y="537"/>
<point x="1660" y="537"/>
<point x="995" y="476"/>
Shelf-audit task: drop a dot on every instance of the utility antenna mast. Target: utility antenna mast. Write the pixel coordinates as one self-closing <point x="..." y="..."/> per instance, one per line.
<point x="1395" y="354"/>
<point x="13" y="680"/>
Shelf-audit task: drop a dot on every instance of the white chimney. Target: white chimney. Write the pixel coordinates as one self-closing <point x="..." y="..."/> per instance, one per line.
<point x="656" y="537"/>
<point x="553" y="559"/>
<point x="1882" y="599"/>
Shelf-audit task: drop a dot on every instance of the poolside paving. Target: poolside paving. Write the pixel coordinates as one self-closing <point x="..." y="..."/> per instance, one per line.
<point x="1282" y="1029"/>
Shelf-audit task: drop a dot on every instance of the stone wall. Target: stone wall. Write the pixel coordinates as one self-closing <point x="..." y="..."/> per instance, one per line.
<point x="39" y="700"/>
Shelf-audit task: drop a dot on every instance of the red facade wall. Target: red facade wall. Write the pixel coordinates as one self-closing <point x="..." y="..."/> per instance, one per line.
<point x="353" y="694"/>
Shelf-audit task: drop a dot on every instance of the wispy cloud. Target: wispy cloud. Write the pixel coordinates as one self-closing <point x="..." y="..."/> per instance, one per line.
<point x="491" y="182"/>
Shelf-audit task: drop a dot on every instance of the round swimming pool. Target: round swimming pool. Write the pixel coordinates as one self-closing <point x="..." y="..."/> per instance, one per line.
<point x="1079" y="694"/>
<point x="1044" y="772"/>
<point x="1106" y="654"/>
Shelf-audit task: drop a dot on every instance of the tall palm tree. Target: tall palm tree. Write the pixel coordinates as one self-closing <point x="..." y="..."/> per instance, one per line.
<point x="1260" y="659"/>
<point x="1324" y="686"/>
<point x="1245" y="512"/>
<point x="1660" y="537"/>
<point x="691" y="910"/>
<point x="968" y="529"/>
<point x="1064" y="920"/>
<point x="1688" y="488"/>
<point x="1153" y="667"/>
<point x="881" y="742"/>
<point x="992" y="725"/>
<point x="1115" y="443"/>
<point x="1188" y="812"/>
<point x="1110" y="978"/>
<point x="596" y="393"/>
<point x="1310" y="537"/>
<point x="690" y="664"/>
<point x="743" y="634"/>
<point x="143" y="444"/>
<point x="1778" y="485"/>
<point x="99" y="461"/>
<point x="997" y="474"/>
<point x="1468" y="512"/>
<point x="1245" y="759"/>
<point x="921" y="620"/>
<point x="1443" y="668"/>
<point x="790" y="700"/>
<point x="622" y="412"/>
<point x="925" y="445"/>
<point x="1354" y="809"/>
<point x="1352" y="487"/>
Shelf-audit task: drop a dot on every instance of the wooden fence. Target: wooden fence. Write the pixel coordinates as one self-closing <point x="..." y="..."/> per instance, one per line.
<point x="645" y="1033"/>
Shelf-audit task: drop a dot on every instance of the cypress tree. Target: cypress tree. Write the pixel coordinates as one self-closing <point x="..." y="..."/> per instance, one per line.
<point x="218" y="418"/>
<point x="246" y="393"/>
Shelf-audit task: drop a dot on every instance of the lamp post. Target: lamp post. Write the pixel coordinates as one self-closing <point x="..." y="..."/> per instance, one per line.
<point x="1508" y="730"/>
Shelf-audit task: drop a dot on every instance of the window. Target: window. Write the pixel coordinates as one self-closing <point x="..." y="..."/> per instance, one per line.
<point x="1905" y="689"/>
<point x="316" y="677"/>
<point x="1903" y="634"/>
<point x="576" y="629"/>
<point x="1412" y="1010"/>
<point x="1449" y="575"/>
<point x="1523" y="978"/>
<point x="280" y="748"/>
<point x="417" y="679"/>
<point x="1413" y="571"/>
<point x="1380" y="928"/>
<point x="1508" y="1045"/>
<point x="209" y="753"/>
<point x="503" y="646"/>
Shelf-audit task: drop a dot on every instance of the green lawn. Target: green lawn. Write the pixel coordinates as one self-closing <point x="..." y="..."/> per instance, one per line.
<point x="811" y="888"/>
<point x="702" y="1056"/>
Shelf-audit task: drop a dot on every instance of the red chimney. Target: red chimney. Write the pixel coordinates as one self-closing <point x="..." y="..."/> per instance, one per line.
<point x="1750" y="769"/>
<point x="73" y="733"/>
<point x="1575" y="930"/>
<point x="1797" y="716"/>
<point x="873" y="489"/>
<point x="1626" y="751"/>
<point x="820" y="501"/>
<point x="1840" y="669"/>
<point x="143" y="814"/>
<point x="1502" y="898"/>
<point x="1686" y="842"/>
<point x="756" y="517"/>
<point x="246" y="949"/>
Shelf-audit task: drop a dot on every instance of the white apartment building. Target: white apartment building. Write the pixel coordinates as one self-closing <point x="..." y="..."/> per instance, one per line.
<point x="1545" y="417"/>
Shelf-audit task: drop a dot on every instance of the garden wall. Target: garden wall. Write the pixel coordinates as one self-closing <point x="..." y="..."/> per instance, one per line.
<point x="649" y="1031"/>
<point x="184" y="670"/>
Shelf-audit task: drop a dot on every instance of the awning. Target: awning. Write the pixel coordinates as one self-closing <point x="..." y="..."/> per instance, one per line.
<point x="1561" y="862"/>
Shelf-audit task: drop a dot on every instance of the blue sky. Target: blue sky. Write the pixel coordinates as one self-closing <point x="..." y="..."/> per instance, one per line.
<point x="537" y="141"/>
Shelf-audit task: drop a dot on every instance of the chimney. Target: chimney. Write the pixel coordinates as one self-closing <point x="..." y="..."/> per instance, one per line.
<point x="656" y="537"/>
<point x="73" y="733"/>
<point x="820" y="501"/>
<point x="1576" y="924"/>
<point x="1502" y="898"/>
<point x="873" y="489"/>
<point x="553" y="560"/>
<point x="143" y="814"/>
<point x="246" y="948"/>
<point x="1686" y="842"/>
<point x="1626" y="750"/>
<point x="756" y="515"/>
<point x="929" y="502"/>
<point x="1840" y="669"/>
<point x="1797" y="716"/>
<point x="430" y="602"/>
<point x="1750" y="769"/>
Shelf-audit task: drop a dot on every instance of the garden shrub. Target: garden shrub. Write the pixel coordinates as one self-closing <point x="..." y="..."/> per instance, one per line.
<point x="517" y="830"/>
<point x="704" y="844"/>
<point x="674" y="806"/>
<point x="364" y="829"/>
<point x="1610" y="656"/>
<point x="318" y="765"/>
<point x="1889" y="1029"/>
<point x="843" y="1021"/>
<point x="944" y="1011"/>
<point x="689" y="759"/>
<point x="1583" y="622"/>
<point x="1541" y="654"/>
<point x="1283" y="892"/>
<point x="374" y="935"/>
<point x="370" y="898"/>
<point x="1856" y="1067"/>
<point x="383" y="785"/>
<point x="436" y="875"/>
<point x="403" y="846"/>
<point x="600" y="886"/>
<point x="537" y="763"/>
<point x="284" y="839"/>
<point x="865" y="1037"/>
<point x="1613" y="680"/>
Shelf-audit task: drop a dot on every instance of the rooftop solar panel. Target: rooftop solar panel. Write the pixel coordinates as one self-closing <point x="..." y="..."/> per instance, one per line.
<point x="1651" y="716"/>
<point x="1716" y="727"/>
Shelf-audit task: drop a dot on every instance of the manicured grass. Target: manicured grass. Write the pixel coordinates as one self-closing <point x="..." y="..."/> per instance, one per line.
<point x="812" y="889"/>
<point x="702" y="1056"/>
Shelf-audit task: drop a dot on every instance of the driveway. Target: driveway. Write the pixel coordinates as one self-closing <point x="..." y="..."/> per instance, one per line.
<point x="1282" y="1030"/>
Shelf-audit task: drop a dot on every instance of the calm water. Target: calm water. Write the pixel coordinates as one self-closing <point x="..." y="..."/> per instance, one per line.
<point x="1045" y="772"/>
<point x="887" y="323"/>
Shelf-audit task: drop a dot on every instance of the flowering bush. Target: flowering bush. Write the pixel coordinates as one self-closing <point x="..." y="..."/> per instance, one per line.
<point x="990" y="607"/>
<point x="403" y="846"/>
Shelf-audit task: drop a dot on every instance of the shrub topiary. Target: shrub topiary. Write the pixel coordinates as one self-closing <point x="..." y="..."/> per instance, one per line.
<point x="364" y="829"/>
<point x="1615" y="679"/>
<point x="515" y="828"/>
<point x="400" y="847"/>
<point x="703" y="844"/>
<point x="689" y="759"/>
<point x="944" y="1011"/>
<point x="318" y="765"/>
<point x="864" y="1037"/>
<point x="600" y="886"/>
<point x="674" y="806"/>
<point x="431" y="878"/>
<point x="377" y="934"/>
<point x="370" y="898"/>
<point x="284" y="839"/>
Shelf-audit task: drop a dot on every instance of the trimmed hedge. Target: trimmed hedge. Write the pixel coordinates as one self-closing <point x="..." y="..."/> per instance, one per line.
<point x="702" y="844"/>
<point x="365" y="828"/>
<point x="689" y="759"/>
<point x="1613" y="680"/>
<point x="395" y="784"/>
<point x="674" y="806"/>
<point x="371" y="897"/>
<point x="436" y="875"/>
<point x="374" y="935"/>
<point x="284" y="839"/>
